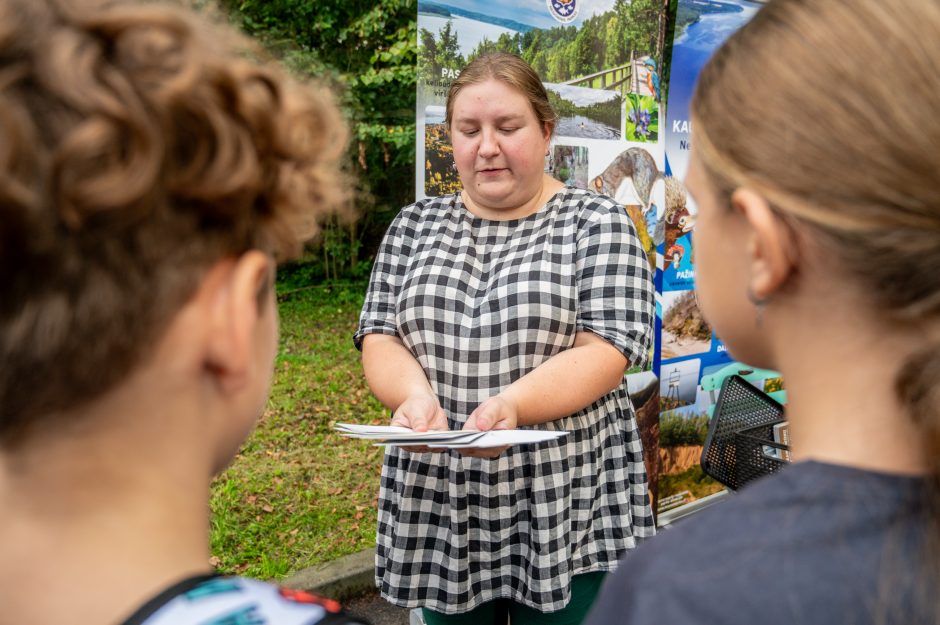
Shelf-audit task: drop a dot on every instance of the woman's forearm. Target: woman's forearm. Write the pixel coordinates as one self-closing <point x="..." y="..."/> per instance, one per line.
<point x="392" y="371"/>
<point x="567" y="382"/>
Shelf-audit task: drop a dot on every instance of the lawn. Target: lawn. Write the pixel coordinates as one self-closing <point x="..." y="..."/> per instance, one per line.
<point x="297" y="494"/>
<point x="693" y="480"/>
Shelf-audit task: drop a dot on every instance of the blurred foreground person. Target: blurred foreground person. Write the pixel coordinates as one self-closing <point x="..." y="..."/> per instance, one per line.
<point x="816" y="152"/>
<point x="150" y="176"/>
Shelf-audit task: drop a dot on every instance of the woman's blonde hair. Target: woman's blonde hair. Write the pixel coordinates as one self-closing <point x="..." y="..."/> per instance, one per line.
<point x="829" y="109"/>
<point x="511" y="70"/>
<point x="138" y="145"/>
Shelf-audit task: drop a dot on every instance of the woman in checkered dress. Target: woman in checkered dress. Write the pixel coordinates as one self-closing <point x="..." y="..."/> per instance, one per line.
<point x="517" y="303"/>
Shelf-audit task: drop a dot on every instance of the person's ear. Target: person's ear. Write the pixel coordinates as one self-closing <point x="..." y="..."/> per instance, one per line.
<point x="547" y="129"/>
<point x="239" y="303"/>
<point x="769" y="243"/>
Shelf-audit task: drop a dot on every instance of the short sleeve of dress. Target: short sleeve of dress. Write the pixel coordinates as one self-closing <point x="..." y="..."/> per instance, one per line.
<point x="615" y="286"/>
<point x="380" y="309"/>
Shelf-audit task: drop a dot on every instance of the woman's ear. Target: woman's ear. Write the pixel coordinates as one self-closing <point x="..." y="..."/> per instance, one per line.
<point x="770" y="243"/>
<point x="239" y="301"/>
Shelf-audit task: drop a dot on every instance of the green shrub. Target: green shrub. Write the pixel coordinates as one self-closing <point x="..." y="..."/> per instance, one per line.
<point x="676" y="429"/>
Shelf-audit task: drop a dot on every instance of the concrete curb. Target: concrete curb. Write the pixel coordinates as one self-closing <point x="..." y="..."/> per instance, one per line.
<point x="341" y="579"/>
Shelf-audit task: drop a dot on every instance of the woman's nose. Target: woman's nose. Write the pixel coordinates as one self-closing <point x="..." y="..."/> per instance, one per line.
<point x="489" y="145"/>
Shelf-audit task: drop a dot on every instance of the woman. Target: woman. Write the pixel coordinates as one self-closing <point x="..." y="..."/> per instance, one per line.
<point x="814" y="166"/>
<point x="516" y="303"/>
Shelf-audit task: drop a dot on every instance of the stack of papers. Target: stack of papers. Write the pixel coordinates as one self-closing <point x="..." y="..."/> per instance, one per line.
<point x="394" y="435"/>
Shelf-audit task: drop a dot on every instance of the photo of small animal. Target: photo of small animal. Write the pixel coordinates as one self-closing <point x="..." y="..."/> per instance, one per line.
<point x="634" y="167"/>
<point x="630" y="177"/>
<point x="677" y="221"/>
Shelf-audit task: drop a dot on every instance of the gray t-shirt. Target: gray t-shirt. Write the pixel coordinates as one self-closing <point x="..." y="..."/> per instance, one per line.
<point x="815" y="543"/>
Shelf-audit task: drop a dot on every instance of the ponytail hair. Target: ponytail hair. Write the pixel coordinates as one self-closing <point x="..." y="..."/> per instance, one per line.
<point x="829" y="110"/>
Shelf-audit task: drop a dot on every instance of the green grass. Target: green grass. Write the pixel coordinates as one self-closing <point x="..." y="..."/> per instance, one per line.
<point x="693" y="480"/>
<point x="297" y="494"/>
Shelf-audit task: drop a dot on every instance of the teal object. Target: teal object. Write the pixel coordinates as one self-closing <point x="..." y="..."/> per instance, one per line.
<point x="713" y="381"/>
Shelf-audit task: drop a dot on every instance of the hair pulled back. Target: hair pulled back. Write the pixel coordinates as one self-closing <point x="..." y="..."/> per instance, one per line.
<point x="138" y="146"/>
<point x="512" y="71"/>
<point x="829" y="109"/>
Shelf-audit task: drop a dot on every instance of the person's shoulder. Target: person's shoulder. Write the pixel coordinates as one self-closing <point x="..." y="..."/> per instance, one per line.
<point x="420" y="213"/>
<point x="241" y="600"/>
<point x="749" y="518"/>
<point x="588" y="200"/>
<point x="678" y="574"/>
<point x="591" y="208"/>
<point x="791" y="534"/>
<point x="429" y="206"/>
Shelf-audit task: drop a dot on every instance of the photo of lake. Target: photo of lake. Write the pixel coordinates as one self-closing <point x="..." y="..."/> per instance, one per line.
<point x="586" y="113"/>
<point x="711" y="23"/>
<point x="469" y="32"/>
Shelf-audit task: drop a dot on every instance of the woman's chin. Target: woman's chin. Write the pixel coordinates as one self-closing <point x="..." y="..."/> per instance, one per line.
<point x="492" y="196"/>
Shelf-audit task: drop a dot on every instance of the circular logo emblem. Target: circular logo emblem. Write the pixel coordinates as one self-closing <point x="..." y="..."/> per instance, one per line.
<point x="563" y="10"/>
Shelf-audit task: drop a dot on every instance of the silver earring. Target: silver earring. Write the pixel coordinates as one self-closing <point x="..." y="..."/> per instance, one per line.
<point x="759" y="304"/>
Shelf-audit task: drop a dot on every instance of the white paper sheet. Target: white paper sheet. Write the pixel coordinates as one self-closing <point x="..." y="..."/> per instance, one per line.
<point x="460" y="439"/>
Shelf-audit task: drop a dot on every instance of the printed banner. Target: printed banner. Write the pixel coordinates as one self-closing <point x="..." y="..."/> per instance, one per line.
<point x="601" y="62"/>
<point x="691" y="361"/>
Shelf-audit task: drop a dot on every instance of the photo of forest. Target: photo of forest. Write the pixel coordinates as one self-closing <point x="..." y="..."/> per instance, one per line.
<point x="595" y="54"/>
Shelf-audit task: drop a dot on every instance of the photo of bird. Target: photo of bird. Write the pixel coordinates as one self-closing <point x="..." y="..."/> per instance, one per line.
<point x="652" y="77"/>
<point x="677" y="221"/>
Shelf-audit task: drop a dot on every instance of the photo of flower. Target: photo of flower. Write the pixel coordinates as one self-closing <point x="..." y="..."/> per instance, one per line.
<point x="642" y="118"/>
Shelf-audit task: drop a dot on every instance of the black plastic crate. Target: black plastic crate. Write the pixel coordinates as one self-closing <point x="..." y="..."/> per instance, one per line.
<point x="740" y="445"/>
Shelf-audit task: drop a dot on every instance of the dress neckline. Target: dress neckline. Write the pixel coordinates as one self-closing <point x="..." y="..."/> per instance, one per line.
<point x="476" y="219"/>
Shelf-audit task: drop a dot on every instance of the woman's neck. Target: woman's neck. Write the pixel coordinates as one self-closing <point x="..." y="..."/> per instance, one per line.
<point x="839" y="371"/>
<point x="548" y="187"/>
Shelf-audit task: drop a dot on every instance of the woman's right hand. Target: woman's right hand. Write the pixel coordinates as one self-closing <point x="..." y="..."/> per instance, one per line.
<point x="420" y="413"/>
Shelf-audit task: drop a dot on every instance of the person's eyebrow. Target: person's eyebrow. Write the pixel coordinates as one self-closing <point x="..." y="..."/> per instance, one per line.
<point x="499" y="120"/>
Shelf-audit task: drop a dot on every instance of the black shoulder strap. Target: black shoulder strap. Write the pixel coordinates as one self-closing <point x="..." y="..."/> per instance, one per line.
<point x="148" y="609"/>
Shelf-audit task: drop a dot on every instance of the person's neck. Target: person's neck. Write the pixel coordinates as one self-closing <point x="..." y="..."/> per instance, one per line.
<point x="98" y="531"/>
<point x="548" y="187"/>
<point x="839" y="371"/>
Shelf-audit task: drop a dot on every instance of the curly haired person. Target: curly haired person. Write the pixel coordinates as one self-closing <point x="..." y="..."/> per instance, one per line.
<point x="150" y="177"/>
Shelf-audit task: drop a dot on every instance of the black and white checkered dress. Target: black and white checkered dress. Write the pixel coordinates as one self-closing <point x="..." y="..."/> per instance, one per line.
<point x="480" y="303"/>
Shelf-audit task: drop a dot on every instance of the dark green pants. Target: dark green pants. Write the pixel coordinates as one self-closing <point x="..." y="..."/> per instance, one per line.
<point x="584" y="589"/>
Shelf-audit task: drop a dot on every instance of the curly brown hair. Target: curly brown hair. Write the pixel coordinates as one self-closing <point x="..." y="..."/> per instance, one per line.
<point x="138" y="146"/>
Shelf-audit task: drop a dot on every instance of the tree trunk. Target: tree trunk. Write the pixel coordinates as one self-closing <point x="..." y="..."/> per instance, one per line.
<point x="353" y="247"/>
<point x="661" y="43"/>
<point x="326" y="254"/>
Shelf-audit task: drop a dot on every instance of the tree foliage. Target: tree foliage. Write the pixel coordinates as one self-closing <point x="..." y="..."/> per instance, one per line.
<point x="367" y="51"/>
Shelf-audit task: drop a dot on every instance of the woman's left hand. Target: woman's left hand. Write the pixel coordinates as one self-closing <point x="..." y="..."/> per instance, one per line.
<point x="496" y="413"/>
